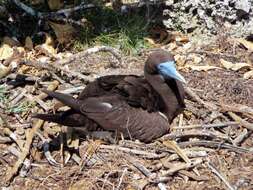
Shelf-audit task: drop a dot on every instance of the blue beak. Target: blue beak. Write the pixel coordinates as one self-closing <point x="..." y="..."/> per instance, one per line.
<point x="168" y="70"/>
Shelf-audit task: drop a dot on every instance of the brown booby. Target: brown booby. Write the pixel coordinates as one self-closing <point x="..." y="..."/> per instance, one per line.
<point x="139" y="107"/>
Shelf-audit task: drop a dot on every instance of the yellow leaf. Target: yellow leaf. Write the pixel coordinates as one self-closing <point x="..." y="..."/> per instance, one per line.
<point x="4" y="71"/>
<point x="55" y="4"/>
<point x="28" y="43"/>
<point x="63" y="32"/>
<point x="245" y="43"/>
<point x="234" y="66"/>
<point x="248" y="75"/>
<point x="5" y="52"/>
<point x="49" y="40"/>
<point x="201" y="67"/>
<point x="150" y="41"/>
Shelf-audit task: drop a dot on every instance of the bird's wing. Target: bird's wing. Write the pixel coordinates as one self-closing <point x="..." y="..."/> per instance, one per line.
<point x="114" y="114"/>
<point x="101" y="86"/>
<point x="139" y="93"/>
<point x="135" y="90"/>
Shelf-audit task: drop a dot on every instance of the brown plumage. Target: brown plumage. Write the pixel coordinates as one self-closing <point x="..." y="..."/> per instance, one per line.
<point x="138" y="107"/>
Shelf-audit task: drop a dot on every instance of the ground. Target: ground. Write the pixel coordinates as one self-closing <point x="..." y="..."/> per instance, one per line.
<point x="219" y="94"/>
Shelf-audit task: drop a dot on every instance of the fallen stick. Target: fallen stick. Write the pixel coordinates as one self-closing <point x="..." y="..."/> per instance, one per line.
<point x="189" y="153"/>
<point x="24" y="152"/>
<point x="194" y="96"/>
<point x="194" y="177"/>
<point x="26" y="164"/>
<point x="242" y="136"/>
<point x="217" y="173"/>
<point x="173" y="145"/>
<point x="121" y="178"/>
<point x="147" y="173"/>
<point x="244" y="123"/>
<point x="213" y="144"/>
<point x="42" y="15"/>
<point x="195" y="133"/>
<point x="4" y="140"/>
<point x="132" y="151"/>
<point x="248" y="111"/>
<point x="88" y="52"/>
<point x="178" y="167"/>
<point x="207" y="126"/>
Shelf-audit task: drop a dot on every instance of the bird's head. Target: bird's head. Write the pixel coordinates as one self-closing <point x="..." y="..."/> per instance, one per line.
<point x="163" y="63"/>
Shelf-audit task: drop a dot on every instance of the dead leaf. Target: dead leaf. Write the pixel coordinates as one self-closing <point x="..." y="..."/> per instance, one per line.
<point x="55" y="4"/>
<point x="5" y="52"/>
<point x="245" y="43"/>
<point x="4" y="71"/>
<point x="180" y="59"/>
<point x="201" y="67"/>
<point x="171" y="46"/>
<point x="151" y="41"/>
<point x="183" y="39"/>
<point x="248" y="75"/>
<point x="194" y="59"/>
<point x="28" y="43"/>
<point x="21" y="50"/>
<point x="63" y="32"/>
<point x="234" y="66"/>
<point x="49" y="40"/>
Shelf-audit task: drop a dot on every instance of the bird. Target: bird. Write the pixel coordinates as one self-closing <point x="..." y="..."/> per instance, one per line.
<point x="139" y="107"/>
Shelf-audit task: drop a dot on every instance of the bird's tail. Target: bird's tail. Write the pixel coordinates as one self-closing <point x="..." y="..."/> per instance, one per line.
<point x="69" y="118"/>
<point x="65" y="99"/>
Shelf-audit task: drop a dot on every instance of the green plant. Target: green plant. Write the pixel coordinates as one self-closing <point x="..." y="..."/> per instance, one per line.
<point x="125" y="32"/>
<point x="21" y="107"/>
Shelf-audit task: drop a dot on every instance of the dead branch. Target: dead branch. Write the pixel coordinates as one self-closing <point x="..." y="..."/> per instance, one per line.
<point x="4" y="140"/>
<point x="142" y="153"/>
<point x="213" y="144"/>
<point x="173" y="145"/>
<point x="178" y="167"/>
<point x="67" y="12"/>
<point x="26" y="8"/>
<point x="244" y="123"/>
<point x="88" y="52"/>
<point x="27" y="163"/>
<point x="193" y="176"/>
<point x="242" y="136"/>
<point x="207" y="126"/>
<point x="246" y="110"/>
<point x="121" y="178"/>
<point x="220" y="175"/>
<point x="146" y="172"/>
<point x="210" y="106"/>
<point x="24" y="152"/>
<point x="195" y="133"/>
<point x="189" y="153"/>
<point x="41" y="15"/>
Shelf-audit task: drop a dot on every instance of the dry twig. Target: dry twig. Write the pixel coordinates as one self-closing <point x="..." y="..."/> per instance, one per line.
<point x="223" y="179"/>
<point x="207" y="126"/>
<point x="214" y="144"/>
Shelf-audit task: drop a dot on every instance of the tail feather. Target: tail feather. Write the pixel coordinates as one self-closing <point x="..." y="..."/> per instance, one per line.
<point x="66" y="99"/>
<point x="65" y="118"/>
<point x="56" y="118"/>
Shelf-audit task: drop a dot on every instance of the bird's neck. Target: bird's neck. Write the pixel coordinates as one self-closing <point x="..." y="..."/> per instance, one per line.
<point x="171" y="95"/>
